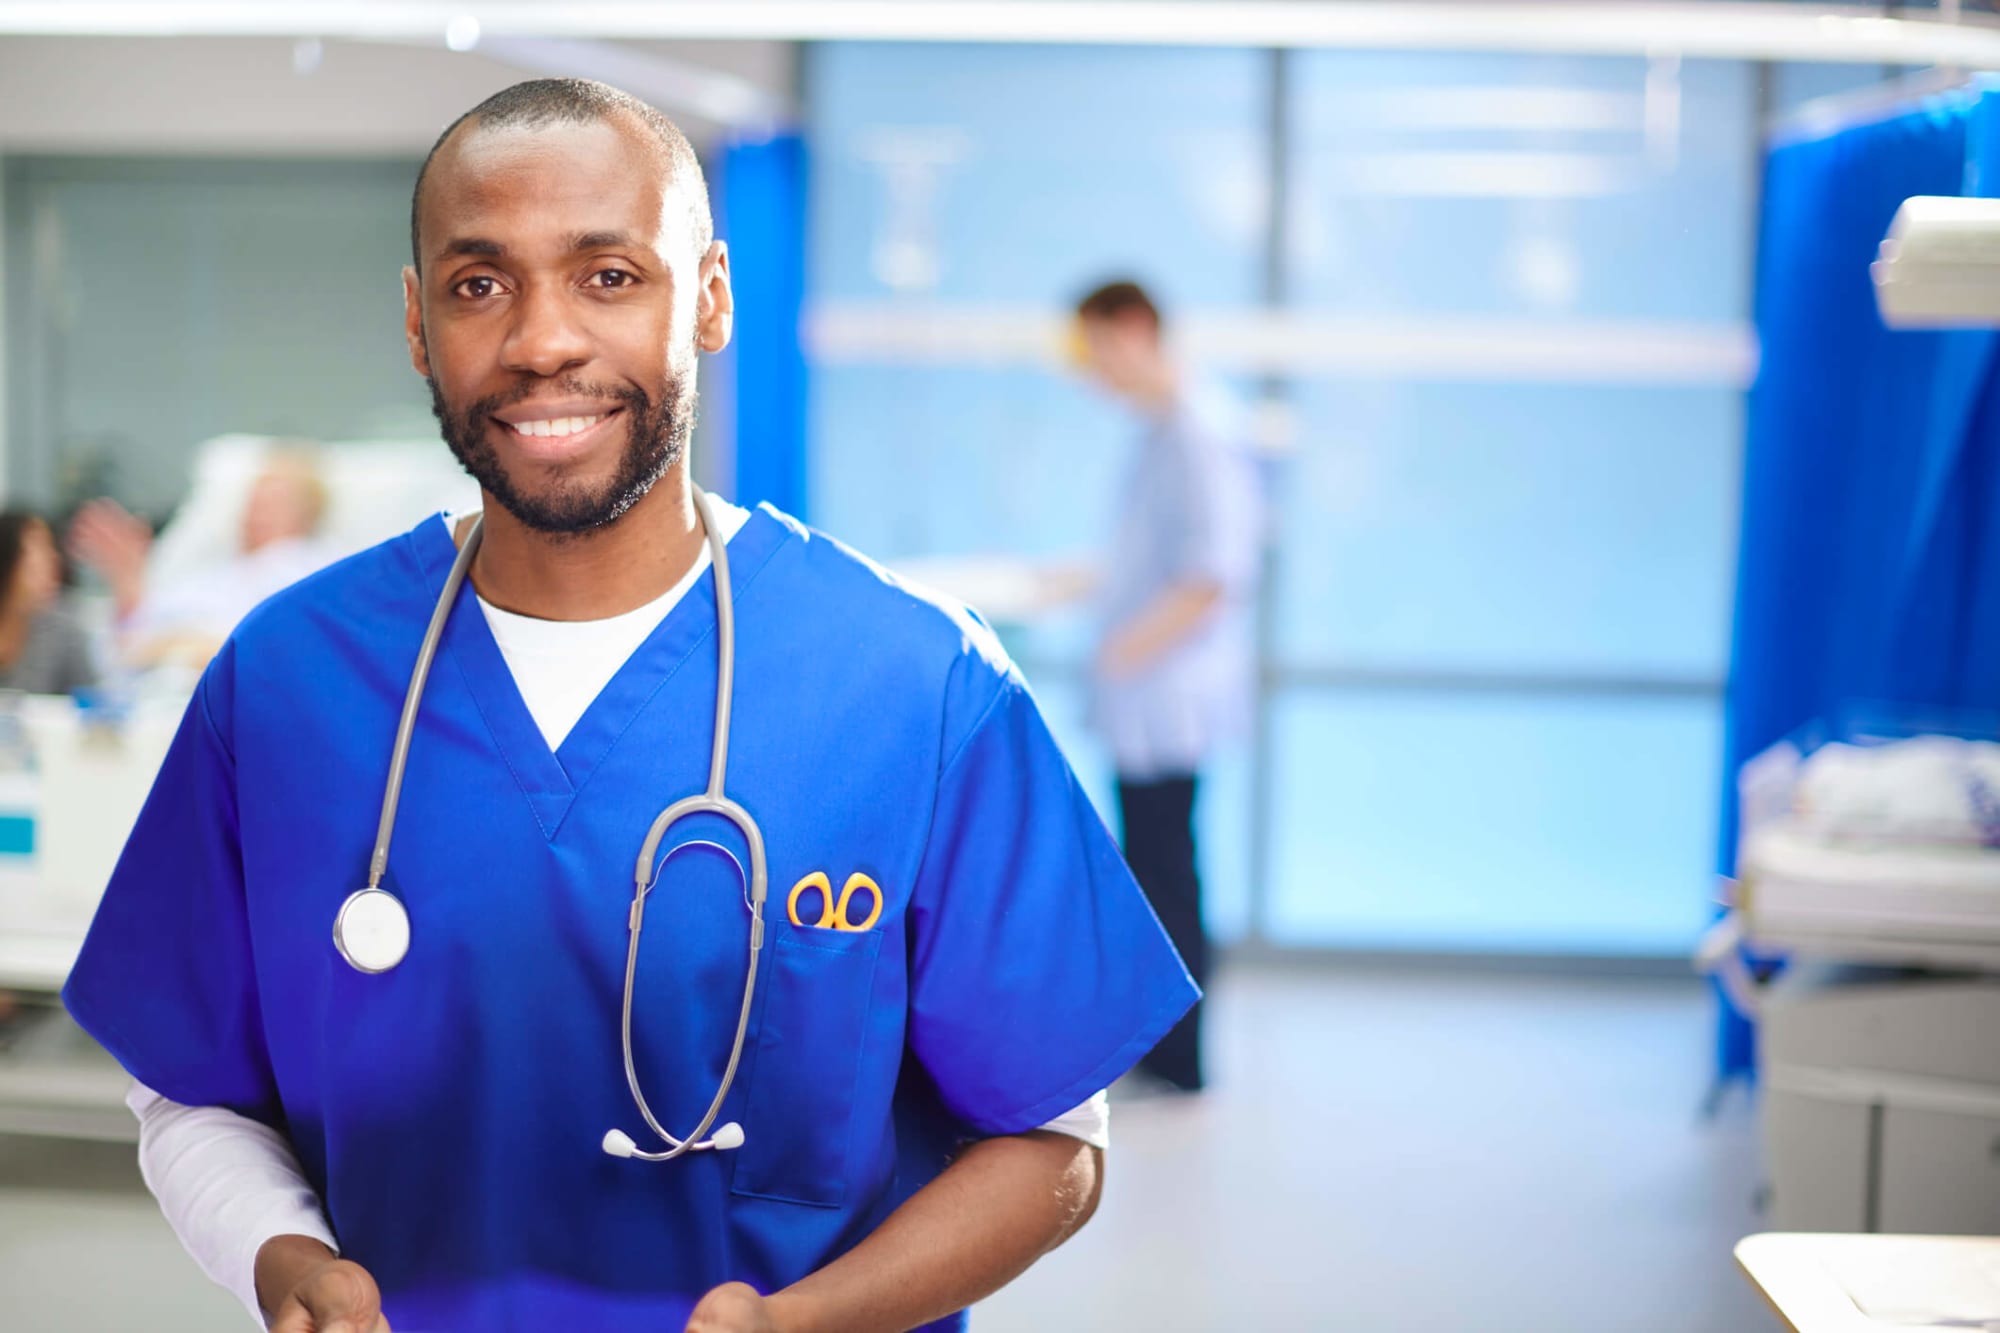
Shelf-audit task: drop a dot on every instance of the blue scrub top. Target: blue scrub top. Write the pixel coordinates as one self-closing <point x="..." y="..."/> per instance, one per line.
<point x="449" y="1111"/>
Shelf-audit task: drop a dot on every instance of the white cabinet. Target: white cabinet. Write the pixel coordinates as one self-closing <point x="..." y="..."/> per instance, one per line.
<point x="1940" y="1172"/>
<point x="1882" y="1104"/>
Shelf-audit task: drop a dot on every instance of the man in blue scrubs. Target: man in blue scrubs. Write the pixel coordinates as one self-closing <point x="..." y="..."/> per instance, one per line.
<point x="446" y="1114"/>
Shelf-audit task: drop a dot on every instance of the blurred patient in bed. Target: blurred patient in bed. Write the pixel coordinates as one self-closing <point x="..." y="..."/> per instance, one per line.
<point x="186" y="623"/>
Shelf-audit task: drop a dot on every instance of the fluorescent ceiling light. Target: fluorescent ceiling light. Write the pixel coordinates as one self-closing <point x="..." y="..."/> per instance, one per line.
<point x="1748" y="31"/>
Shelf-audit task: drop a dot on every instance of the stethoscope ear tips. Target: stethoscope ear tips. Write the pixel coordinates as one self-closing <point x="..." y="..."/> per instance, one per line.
<point x="619" y="1144"/>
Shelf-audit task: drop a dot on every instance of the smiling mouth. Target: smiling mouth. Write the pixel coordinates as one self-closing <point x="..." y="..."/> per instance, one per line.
<point x="556" y="439"/>
<point x="556" y="428"/>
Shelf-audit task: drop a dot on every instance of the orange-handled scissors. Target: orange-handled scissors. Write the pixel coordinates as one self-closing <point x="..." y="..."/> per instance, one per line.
<point x="832" y="912"/>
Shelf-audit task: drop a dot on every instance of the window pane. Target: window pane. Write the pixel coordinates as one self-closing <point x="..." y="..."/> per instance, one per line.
<point x="929" y="460"/>
<point x="1013" y="174"/>
<point x="1495" y="528"/>
<point x="215" y="297"/>
<point x="1506" y="184"/>
<point x="1475" y="821"/>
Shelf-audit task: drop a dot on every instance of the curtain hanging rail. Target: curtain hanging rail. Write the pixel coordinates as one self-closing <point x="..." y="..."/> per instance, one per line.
<point x="1866" y="106"/>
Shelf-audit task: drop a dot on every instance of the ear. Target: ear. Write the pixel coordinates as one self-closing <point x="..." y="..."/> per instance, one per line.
<point x="715" y="302"/>
<point x="413" y="323"/>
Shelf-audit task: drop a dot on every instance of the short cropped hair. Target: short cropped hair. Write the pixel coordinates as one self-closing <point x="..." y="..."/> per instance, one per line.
<point x="540" y="102"/>
<point x="1114" y="300"/>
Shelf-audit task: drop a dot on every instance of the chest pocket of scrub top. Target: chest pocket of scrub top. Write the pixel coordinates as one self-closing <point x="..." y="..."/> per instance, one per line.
<point x="798" y="1123"/>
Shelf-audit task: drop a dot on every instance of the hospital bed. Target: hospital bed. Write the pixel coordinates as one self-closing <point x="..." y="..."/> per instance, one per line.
<point x="92" y="768"/>
<point x="375" y="489"/>
<point x="1872" y="863"/>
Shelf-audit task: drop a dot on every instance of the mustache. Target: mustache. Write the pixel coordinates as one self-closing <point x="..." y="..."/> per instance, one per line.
<point x="628" y="395"/>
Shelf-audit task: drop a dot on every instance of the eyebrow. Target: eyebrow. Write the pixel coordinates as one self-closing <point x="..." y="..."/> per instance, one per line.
<point x="578" y="242"/>
<point x="598" y="240"/>
<point x="471" y="245"/>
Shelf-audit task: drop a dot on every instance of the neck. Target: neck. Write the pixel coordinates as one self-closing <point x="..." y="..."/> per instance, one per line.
<point x="591" y="575"/>
<point x="1160" y="391"/>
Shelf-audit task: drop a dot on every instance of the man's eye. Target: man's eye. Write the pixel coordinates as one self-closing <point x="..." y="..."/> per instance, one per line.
<point x="612" y="278"/>
<point x="477" y="289"/>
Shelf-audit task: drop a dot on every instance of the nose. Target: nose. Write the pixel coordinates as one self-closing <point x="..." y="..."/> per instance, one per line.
<point x="546" y="338"/>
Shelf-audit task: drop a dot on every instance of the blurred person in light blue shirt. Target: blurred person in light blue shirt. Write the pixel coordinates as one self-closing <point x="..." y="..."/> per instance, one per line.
<point x="1175" y="671"/>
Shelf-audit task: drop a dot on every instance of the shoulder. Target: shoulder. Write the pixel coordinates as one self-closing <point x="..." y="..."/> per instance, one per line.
<point x="900" y="631"/>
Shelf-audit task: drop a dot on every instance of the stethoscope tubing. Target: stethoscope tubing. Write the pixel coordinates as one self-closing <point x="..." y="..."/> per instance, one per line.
<point x="714" y="800"/>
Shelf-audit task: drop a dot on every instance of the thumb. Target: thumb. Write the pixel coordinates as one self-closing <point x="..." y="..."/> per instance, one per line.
<point x="343" y="1298"/>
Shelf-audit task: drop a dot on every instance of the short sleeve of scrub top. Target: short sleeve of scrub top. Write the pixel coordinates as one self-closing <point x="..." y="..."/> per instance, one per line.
<point x="202" y="1043"/>
<point x="1038" y="972"/>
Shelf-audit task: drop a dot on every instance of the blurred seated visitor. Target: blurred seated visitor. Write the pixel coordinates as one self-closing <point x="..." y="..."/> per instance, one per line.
<point x="44" y="648"/>
<point x="278" y="545"/>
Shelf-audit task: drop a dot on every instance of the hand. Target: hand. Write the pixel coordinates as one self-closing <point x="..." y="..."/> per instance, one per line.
<point x="734" y="1307"/>
<point x="112" y="542"/>
<point x="1121" y="656"/>
<point x="319" y="1293"/>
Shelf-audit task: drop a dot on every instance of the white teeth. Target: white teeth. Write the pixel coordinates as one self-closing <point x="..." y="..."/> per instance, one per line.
<point x="556" y="426"/>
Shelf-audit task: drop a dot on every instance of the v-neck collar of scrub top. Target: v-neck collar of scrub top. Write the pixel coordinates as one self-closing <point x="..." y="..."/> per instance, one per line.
<point x="551" y="779"/>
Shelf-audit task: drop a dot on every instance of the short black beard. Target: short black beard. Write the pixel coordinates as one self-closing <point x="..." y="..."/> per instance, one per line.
<point x="657" y="439"/>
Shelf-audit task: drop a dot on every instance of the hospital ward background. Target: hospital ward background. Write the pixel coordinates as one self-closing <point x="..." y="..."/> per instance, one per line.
<point x="1607" y="867"/>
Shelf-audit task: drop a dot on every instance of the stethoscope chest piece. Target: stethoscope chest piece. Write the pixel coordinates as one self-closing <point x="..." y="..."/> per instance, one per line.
<point x="372" y="930"/>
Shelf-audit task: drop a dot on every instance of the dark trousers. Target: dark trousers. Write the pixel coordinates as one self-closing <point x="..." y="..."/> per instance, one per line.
<point x="1158" y="819"/>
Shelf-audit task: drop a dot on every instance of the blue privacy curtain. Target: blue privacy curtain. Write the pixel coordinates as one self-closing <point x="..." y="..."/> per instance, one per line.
<point x="761" y="208"/>
<point x="1869" y="569"/>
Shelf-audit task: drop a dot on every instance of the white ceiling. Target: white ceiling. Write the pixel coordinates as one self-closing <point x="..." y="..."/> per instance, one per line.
<point x="246" y="95"/>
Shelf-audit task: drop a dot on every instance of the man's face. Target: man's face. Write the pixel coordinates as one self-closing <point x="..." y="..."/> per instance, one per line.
<point x="558" y="315"/>
<point x="1120" y="352"/>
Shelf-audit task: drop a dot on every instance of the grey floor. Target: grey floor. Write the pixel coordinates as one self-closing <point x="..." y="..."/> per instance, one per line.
<point x="1383" y="1151"/>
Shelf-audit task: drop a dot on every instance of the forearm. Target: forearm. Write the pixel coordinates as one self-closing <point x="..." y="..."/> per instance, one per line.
<point x="1164" y="622"/>
<point x="1003" y="1204"/>
<point x="232" y="1191"/>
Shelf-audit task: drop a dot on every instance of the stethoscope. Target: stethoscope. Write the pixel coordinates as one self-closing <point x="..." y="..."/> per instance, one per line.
<point x="372" y="928"/>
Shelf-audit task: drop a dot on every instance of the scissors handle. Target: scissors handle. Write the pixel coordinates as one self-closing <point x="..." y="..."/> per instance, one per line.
<point x="816" y="880"/>
<point x="857" y="880"/>
<point x="833" y="911"/>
